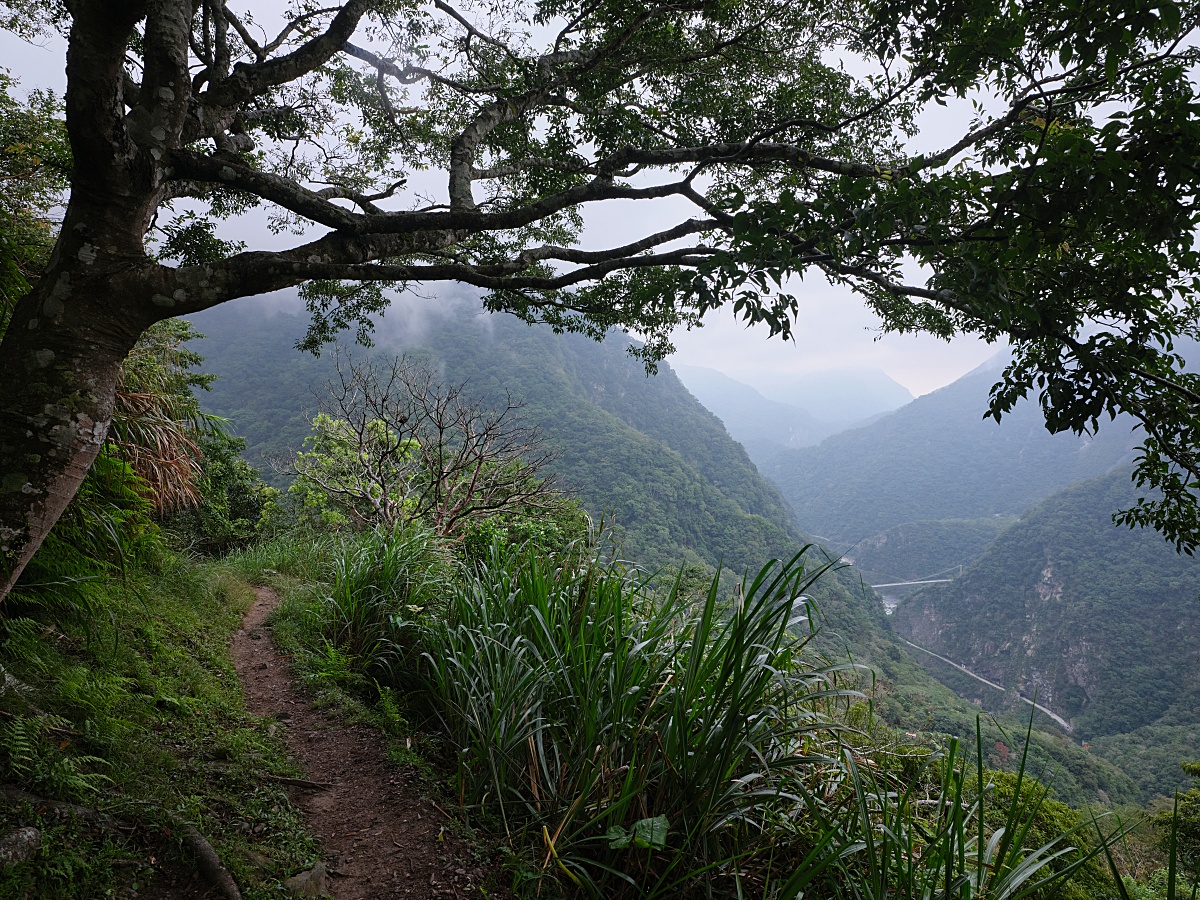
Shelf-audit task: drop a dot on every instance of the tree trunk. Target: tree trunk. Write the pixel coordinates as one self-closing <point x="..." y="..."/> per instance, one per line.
<point x="59" y="362"/>
<point x="62" y="352"/>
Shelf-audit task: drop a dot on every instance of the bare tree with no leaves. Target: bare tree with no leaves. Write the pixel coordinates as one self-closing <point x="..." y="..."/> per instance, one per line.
<point x="393" y="443"/>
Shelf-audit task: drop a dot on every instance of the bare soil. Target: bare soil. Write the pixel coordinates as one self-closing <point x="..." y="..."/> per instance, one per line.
<point x="382" y="835"/>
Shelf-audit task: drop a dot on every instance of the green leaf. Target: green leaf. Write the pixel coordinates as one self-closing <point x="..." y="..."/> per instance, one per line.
<point x="651" y="834"/>
<point x="618" y="838"/>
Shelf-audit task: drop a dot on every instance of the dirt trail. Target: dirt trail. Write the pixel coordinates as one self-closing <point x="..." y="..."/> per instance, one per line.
<point x="381" y="838"/>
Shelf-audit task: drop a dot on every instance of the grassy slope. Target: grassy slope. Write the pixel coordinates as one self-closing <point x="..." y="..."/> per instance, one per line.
<point x="148" y="714"/>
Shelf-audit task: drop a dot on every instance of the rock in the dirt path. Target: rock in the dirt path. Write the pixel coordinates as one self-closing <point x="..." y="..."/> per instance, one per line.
<point x="312" y="883"/>
<point x="17" y="846"/>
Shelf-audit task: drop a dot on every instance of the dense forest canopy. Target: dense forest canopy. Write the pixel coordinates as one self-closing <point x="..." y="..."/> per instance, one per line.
<point x="1062" y="216"/>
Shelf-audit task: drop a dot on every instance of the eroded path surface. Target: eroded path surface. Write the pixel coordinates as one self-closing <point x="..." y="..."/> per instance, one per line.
<point x="381" y="838"/>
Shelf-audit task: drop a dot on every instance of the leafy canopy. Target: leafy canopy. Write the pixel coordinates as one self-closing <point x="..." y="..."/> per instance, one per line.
<point x="34" y="164"/>
<point x="412" y="142"/>
<point x="347" y="475"/>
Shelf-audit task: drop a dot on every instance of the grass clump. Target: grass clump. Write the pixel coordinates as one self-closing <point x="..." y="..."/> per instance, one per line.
<point x="392" y="577"/>
<point x="955" y="831"/>
<point x="650" y="745"/>
<point x="298" y="554"/>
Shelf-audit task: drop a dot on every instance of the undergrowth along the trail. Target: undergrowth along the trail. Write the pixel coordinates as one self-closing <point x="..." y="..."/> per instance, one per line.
<point x="130" y="707"/>
<point x="651" y="741"/>
<point x="619" y="736"/>
<point x="623" y="737"/>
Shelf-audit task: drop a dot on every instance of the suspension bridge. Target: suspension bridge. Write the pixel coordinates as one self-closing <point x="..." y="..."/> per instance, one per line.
<point x="933" y="579"/>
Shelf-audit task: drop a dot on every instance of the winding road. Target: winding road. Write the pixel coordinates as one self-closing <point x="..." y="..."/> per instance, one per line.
<point x="1051" y="713"/>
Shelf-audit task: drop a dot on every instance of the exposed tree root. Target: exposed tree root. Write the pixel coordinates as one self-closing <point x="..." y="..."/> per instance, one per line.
<point x="299" y="782"/>
<point x="207" y="859"/>
<point x="206" y="856"/>
<point x="103" y="820"/>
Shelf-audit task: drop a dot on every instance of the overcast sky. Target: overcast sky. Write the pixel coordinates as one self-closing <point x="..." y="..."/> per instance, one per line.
<point x="835" y="331"/>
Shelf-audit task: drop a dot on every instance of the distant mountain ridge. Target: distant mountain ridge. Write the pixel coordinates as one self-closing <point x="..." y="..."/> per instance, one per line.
<point x="938" y="458"/>
<point x="762" y="426"/>
<point x="837" y="396"/>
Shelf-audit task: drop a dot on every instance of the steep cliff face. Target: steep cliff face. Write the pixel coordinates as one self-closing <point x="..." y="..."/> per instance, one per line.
<point x="1103" y="624"/>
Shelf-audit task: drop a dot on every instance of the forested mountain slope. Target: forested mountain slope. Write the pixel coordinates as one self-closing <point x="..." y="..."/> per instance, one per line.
<point x="920" y="550"/>
<point x="639" y="449"/>
<point x="938" y="458"/>
<point x="1102" y="623"/>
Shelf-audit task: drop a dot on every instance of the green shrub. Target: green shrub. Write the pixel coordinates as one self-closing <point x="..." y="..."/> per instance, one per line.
<point x="938" y="835"/>
<point x="550" y="530"/>
<point x="380" y="582"/>
<point x="233" y="499"/>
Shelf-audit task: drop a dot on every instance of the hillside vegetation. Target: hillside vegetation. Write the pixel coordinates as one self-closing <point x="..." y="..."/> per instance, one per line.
<point x="1101" y="623"/>
<point x="635" y="449"/>
<point x="613" y="731"/>
<point x="638" y="451"/>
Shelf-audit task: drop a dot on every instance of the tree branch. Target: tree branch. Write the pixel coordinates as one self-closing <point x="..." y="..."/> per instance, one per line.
<point x="260" y="53"/>
<point x="746" y="153"/>
<point x="471" y="29"/>
<point x="231" y="171"/>
<point x="249" y="80"/>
